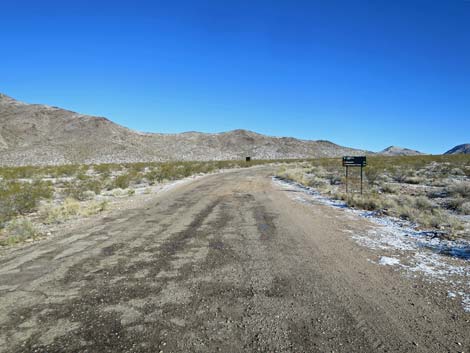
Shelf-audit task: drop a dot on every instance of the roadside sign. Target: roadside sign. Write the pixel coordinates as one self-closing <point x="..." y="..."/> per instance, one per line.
<point x="248" y="159"/>
<point x="354" y="161"/>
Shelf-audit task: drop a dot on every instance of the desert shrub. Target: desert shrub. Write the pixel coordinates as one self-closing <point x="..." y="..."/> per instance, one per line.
<point x="121" y="181"/>
<point x="370" y="201"/>
<point x="93" y="207"/>
<point x="457" y="172"/>
<point x="436" y="193"/>
<point x="151" y="176"/>
<point x="461" y="189"/>
<point x="414" y="180"/>
<point x="465" y="208"/>
<point x="21" y="198"/>
<point x="423" y="203"/>
<point x="50" y="213"/>
<point x="443" y="170"/>
<point x="83" y="189"/>
<point x="295" y="174"/>
<point x="389" y="188"/>
<point x="27" y="172"/>
<point x="334" y="179"/>
<point x="318" y="171"/>
<point x="400" y="175"/>
<point x="440" y="219"/>
<point x="314" y="181"/>
<point x="118" y="192"/>
<point x="18" y="230"/>
<point x="103" y="169"/>
<point x="455" y="203"/>
<point x="136" y="178"/>
<point x="81" y="176"/>
<point x="405" y="211"/>
<point x="372" y="174"/>
<point x="65" y="170"/>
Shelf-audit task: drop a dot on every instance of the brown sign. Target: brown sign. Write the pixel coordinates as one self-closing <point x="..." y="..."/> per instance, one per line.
<point x="354" y="161"/>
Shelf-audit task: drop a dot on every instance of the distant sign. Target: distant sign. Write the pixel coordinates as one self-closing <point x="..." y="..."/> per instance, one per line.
<point x="354" y="161"/>
<point x="248" y="159"/>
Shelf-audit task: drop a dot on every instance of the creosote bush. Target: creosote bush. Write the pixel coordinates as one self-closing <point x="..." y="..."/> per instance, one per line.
<point x="20" y="198"/>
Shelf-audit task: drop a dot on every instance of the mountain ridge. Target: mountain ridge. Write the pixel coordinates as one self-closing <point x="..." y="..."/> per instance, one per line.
<point x="463" y="148"/>
<point x="36" y="134"/>
<point x="399" y="151"/>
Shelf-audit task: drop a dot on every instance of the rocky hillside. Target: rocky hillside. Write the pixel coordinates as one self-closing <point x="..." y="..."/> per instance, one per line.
<point x="34" y="134"/>
<point x="460" y="149"/>
<point x="399" y="151"/>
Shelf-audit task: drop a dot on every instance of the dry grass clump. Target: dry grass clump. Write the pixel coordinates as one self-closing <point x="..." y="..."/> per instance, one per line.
<point x="370" y="202"/>
<point x="82" y="189"/>
<point x="18" y="230"/>
<point x="50" y="213"/>
<point x="460" y="189"/>
<point x="415" y="209"/>
<point x="389" y="188"/>
<point x="465" y="208"/>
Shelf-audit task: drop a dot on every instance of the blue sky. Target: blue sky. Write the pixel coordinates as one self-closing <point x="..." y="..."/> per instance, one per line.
<point x="365" y="74"/>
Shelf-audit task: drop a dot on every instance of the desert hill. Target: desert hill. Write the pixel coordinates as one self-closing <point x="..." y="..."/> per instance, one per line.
<point x="36" y="134"/>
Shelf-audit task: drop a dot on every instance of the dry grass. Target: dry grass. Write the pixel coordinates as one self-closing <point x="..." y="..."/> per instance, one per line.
<point x="18" y="230"/>
<point x="70" y="208"/>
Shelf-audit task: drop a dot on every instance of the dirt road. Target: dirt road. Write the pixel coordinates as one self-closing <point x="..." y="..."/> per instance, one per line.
<point x="227" y="263"/>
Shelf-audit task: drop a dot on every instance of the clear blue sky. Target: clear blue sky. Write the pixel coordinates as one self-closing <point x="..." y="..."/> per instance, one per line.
<point x="365" y="74"/>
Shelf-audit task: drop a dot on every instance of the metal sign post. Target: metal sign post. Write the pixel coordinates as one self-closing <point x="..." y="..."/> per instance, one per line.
<point x="361" y="179"/>
<point x="354" y="161"/>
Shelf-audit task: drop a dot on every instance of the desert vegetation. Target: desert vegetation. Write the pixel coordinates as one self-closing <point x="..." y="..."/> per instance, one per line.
<point x="33" y="198"/>
<point x="433" y="192"/>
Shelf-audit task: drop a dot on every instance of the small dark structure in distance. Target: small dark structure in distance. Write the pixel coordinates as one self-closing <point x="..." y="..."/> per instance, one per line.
<point x="247" y="159"/>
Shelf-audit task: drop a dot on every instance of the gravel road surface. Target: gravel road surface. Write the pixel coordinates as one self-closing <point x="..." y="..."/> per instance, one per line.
<point x="226" y="263"/>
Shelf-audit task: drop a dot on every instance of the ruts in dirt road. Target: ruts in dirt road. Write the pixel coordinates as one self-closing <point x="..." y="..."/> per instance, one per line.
<point x="226" y="263"/>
